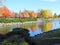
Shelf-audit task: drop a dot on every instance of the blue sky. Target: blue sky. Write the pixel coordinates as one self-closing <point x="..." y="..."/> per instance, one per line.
<point x="17" y="5"/>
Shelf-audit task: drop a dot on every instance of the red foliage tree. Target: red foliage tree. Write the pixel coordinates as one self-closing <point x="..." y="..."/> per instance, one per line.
<point x="25" y="14"/>
<point x="33" y="14"/>
<point x="6" y="12"/>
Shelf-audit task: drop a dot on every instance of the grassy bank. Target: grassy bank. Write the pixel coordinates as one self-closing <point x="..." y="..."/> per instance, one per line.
<point x="8" y="20"/>
<point x="16" y="41"/>
<point x="21" y="36"/>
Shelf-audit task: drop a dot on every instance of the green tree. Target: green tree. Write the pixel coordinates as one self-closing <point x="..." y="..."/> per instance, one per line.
<point x="55" y="15"/>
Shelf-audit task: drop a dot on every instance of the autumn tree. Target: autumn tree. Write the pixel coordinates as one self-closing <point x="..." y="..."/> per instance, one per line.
<point x="6" y="12"/>
<point x="26" y="14"/>
<point x="46" y="13"/>
<point x="33" y="14"/>
<point x="1" y="13"/>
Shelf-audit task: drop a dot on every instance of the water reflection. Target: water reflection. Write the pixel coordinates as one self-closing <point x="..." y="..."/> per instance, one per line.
<point x="34" y="28"/>
<point x="27" y="26"/>
<point x="47" y="26"/>
<point x="37" y="29"/>
<point x="4" y="30"/>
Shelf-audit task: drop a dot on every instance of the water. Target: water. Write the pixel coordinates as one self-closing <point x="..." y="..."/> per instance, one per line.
<point x="34" y="28"/>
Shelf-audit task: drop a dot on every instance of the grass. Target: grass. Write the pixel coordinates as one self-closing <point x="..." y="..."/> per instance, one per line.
<point x="14" y="40"/>
<point x="15" y="43"/>
<point x="9" y="20"/>
<point x="51" y="35"/>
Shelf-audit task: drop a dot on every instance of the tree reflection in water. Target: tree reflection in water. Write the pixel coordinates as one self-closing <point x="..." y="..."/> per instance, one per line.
<point x="4" y="30"/>
<point x="47" y="26"/>
<point x="34" y="27"/>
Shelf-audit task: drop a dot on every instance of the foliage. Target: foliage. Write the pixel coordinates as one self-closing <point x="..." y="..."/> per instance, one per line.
<point x="46" y="13"/>
<point x="5" y="12"/>
<point x="55" y="15"/>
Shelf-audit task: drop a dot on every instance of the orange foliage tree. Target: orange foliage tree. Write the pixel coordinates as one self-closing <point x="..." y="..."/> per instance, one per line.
<point x="33" y="14"/>
<point x="26" y="14"/>
<point x="6" y="12"/>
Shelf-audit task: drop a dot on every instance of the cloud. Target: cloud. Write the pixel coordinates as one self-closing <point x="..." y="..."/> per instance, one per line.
<point x="51" y="0"/>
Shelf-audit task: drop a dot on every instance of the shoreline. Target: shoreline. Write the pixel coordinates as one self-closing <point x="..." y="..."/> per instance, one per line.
<point x="17" y="23"/>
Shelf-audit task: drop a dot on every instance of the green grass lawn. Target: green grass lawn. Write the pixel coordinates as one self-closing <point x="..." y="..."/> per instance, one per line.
<point x="8" y="20"/>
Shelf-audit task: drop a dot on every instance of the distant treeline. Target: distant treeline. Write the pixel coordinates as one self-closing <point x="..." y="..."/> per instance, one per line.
<point x="43" y="13"/>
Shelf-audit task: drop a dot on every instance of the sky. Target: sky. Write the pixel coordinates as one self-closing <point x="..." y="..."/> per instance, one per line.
<point x="36" y="5"/>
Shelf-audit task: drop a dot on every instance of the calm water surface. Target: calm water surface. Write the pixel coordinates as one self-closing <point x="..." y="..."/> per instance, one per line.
<point x="34" y="28"/>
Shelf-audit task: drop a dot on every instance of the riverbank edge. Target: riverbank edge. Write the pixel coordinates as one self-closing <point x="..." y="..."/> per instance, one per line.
<point x="17" y="23"/>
